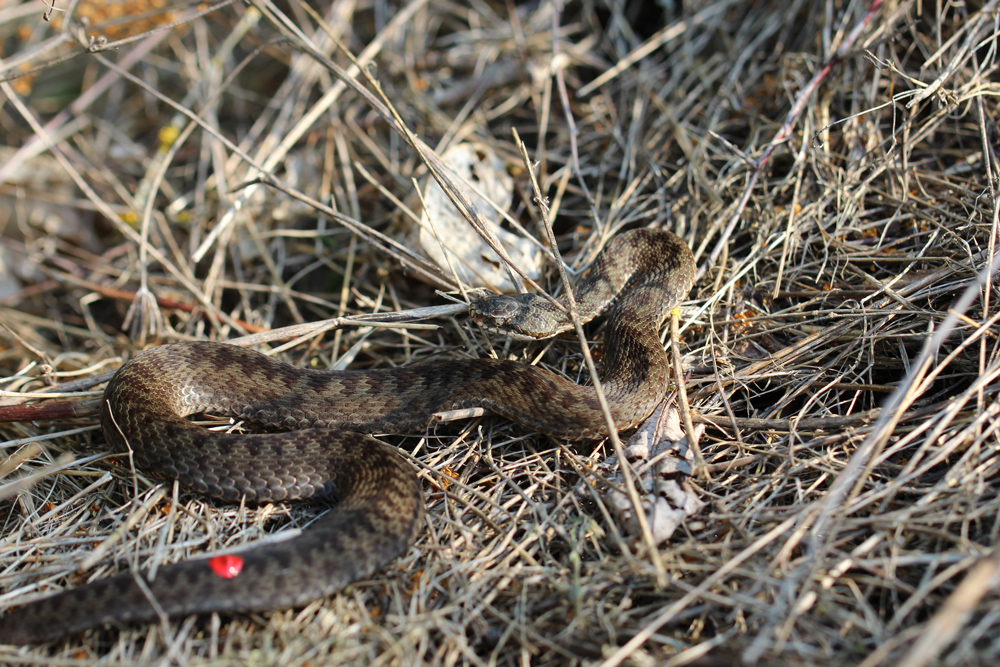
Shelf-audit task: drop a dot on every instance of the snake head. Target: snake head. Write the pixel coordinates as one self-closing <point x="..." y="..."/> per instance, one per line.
<point x="523" y="316"/>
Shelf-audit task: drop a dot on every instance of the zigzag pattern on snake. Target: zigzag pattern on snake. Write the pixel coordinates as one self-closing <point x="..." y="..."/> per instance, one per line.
<point x="323" y="452"/>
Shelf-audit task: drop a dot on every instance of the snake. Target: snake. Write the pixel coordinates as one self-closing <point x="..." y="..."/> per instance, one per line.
<point x="316" y="439"/>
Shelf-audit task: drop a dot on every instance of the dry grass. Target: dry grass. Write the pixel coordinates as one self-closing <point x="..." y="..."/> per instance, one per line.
<point x="837" y="531"/>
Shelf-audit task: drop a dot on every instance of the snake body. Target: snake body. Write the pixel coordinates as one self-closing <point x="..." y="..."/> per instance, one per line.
<point x="323" y="451"/>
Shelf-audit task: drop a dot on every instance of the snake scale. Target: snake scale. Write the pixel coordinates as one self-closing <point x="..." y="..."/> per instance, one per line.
<point x="322" y="450"/>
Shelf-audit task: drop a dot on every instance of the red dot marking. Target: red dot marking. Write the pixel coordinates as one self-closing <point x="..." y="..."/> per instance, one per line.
<point x="226" y="566"/>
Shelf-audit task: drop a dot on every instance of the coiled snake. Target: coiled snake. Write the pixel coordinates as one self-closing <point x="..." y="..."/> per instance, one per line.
<point x="323" y="452"/>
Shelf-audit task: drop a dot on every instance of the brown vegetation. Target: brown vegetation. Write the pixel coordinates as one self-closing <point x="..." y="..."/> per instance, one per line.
<point x="216" y="178"/>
